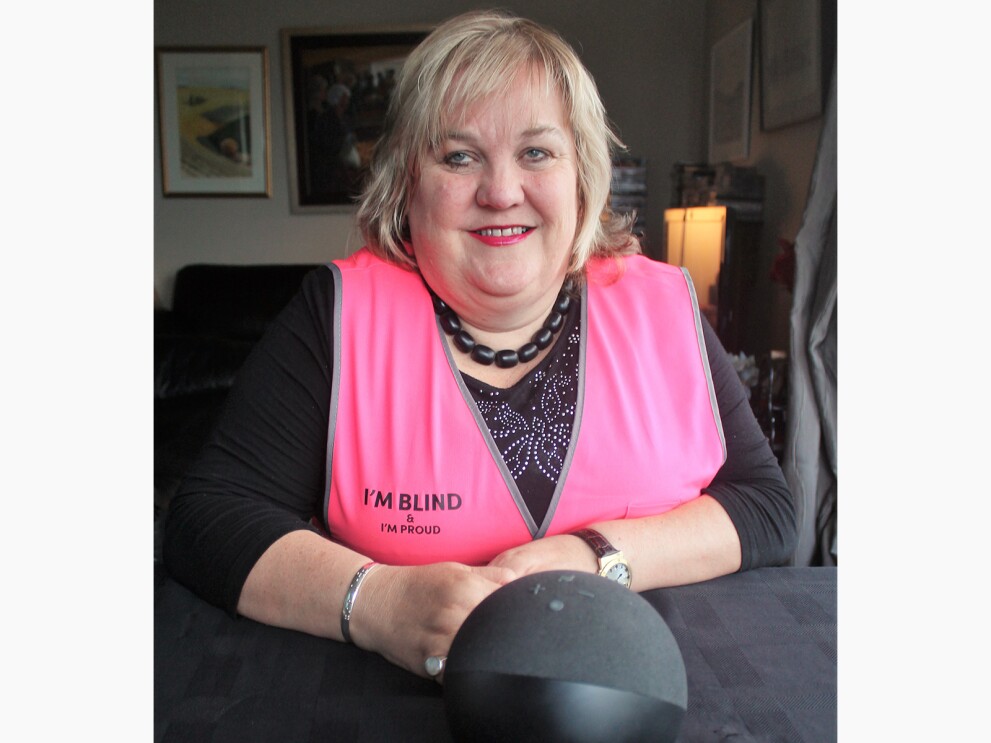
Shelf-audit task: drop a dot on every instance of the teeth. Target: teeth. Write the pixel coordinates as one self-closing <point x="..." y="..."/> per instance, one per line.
<point x="503" y="233"/>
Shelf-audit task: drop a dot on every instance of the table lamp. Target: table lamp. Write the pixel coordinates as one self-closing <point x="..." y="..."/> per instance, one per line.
<point x="695" y="237"/>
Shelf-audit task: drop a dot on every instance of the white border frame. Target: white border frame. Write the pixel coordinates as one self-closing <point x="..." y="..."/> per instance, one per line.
<point x="791" y="86"/>
<point x="214" y="62"/>
<point x="730" y="74"/>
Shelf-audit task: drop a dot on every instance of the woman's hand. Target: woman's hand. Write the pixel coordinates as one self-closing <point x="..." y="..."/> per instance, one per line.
<point x="409" y="613"/>
<point x="561" y="552"/>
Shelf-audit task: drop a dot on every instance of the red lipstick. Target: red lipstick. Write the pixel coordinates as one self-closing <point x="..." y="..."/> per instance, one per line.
<point x="498" y="236"/>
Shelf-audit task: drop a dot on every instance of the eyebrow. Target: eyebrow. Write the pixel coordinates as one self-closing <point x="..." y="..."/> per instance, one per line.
<point x="460" y="136"/>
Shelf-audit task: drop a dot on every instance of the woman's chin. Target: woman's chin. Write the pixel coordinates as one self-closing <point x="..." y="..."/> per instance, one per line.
<point x="511" y="278"/>
<point x="522" y="286"/>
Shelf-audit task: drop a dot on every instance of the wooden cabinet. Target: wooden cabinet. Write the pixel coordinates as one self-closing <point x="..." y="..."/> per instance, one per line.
<point x="737" y="295"/>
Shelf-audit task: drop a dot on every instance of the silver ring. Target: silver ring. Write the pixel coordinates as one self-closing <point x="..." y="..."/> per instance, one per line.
<point x="434" y="665"/>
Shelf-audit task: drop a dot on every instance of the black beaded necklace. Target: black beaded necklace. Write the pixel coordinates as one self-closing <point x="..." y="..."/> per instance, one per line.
<point x="507" y="359"/>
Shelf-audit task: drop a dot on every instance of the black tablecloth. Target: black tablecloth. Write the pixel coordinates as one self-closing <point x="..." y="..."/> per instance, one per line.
<point x="759" y="649"/>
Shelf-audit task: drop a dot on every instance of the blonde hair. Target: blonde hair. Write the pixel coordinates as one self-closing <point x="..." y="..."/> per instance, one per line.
<point x="466" y="59"/>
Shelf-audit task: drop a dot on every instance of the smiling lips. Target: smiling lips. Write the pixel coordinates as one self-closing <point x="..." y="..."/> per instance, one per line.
<point x="501" y="235"/>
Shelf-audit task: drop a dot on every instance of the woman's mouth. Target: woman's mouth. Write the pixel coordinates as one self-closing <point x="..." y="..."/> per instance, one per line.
<point x="502" y="235"/>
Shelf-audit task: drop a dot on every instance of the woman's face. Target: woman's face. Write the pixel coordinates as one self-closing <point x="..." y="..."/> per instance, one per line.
<point x="494" y="211"/>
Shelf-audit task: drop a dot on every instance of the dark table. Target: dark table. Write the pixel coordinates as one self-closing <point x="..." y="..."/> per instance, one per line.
<point x="759" y="649"/>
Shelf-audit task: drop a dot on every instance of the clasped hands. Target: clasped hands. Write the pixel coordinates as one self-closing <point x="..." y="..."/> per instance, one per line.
<point x="410" y="613"/>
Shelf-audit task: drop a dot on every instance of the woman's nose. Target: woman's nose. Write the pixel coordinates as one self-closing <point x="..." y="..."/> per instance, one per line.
<point x="501" y="185"/>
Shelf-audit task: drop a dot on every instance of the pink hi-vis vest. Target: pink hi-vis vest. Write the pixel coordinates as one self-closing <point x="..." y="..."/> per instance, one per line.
<point x="413" y="475"/>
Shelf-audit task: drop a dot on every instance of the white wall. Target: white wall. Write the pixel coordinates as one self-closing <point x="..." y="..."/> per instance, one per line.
<point x="648" y="58"/>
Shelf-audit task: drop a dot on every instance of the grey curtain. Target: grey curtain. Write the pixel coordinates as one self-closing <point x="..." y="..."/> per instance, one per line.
<point x="809" y="461"/>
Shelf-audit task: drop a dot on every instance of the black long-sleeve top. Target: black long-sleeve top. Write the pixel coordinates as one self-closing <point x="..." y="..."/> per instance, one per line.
<point x="261" y="474"/>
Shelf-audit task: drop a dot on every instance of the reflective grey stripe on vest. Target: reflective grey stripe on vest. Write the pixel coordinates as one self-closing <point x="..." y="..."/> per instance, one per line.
<point x="705" y="361"/>
<point x="335" y="390"/>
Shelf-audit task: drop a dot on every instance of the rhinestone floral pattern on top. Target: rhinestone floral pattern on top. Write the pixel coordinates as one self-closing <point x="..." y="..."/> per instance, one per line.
<point x="531" y="422"/>
<point x="541" y="439"/>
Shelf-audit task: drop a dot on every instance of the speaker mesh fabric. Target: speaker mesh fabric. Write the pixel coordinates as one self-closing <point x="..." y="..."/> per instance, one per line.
<point x="573" y="627"/>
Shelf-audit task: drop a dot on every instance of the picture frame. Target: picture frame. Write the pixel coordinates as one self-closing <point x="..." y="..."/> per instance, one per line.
<point x="791" y="70"/>
<point x="336" y="85"/>
<point x="730" y="72"/>
<point x="214" y="130"/>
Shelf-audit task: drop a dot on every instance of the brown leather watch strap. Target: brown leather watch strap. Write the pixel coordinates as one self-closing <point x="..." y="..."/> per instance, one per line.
<point x="599" y="544"/>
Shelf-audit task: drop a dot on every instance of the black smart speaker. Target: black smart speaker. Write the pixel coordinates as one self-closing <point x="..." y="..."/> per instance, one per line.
<point x="563" y="656"/>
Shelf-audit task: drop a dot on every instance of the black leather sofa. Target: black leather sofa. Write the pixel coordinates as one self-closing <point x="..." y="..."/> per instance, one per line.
<point x="218" y="314"/>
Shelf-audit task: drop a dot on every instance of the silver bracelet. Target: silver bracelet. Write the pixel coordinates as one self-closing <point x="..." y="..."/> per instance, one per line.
<point x="351" y="595"/>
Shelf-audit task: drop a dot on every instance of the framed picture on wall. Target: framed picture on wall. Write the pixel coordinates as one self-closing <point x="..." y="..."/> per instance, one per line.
<point x="729" y="95"/>
<point x="213" y="112"/>
<point x="791" y="79"/>
<point x="337" y="85"/>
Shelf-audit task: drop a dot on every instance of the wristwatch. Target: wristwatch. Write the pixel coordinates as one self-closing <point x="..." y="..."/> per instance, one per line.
<point x="612" y="562"/>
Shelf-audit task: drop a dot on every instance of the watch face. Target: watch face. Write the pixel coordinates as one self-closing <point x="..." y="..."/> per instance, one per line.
<point x="620" y="572"/>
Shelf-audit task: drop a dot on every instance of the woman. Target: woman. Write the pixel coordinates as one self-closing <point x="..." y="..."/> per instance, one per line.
<point x="496" y="385"/>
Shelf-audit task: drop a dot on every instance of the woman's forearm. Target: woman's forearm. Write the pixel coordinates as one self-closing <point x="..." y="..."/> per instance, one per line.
<point x="403" y="613"/>
<point x="299" y="583"/>
<point x="693" y="542"/>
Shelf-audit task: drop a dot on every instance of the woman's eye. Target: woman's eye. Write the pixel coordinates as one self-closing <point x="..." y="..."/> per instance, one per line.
<point x="457" y="159"/>
<point x="536" y="157"/>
